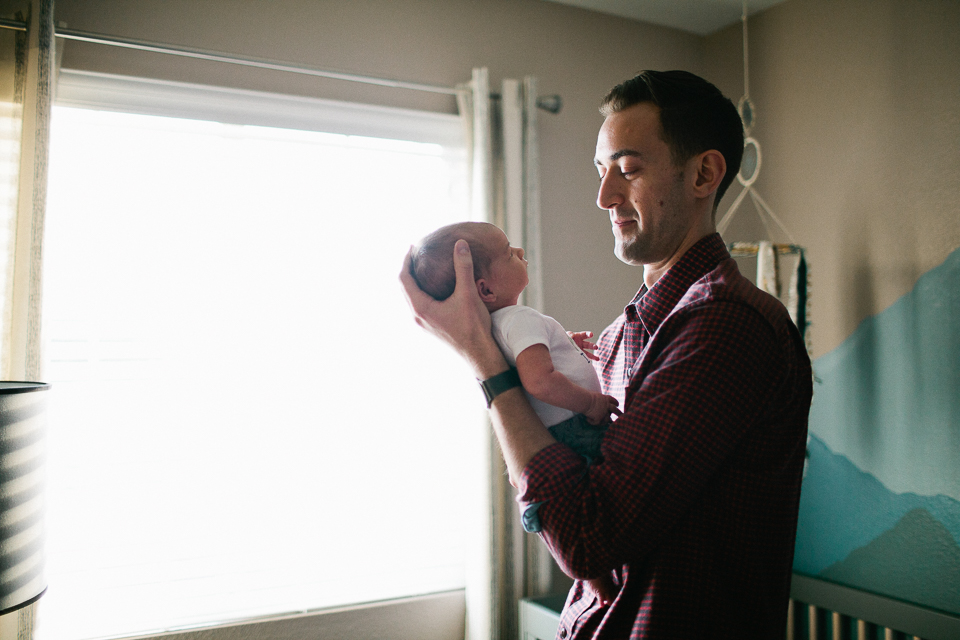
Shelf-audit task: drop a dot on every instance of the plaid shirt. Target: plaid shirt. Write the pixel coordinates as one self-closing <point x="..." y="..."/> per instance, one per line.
<point x="692" y="508"/>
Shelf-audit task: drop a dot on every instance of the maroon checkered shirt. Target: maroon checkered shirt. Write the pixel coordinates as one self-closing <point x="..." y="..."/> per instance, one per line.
<point x="692" y="508"/>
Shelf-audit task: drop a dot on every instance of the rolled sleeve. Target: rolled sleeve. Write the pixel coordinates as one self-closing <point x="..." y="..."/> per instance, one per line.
<point x="551" y="473"/>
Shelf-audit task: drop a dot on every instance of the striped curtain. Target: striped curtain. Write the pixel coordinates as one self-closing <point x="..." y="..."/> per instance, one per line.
<point x="503" y="564"/>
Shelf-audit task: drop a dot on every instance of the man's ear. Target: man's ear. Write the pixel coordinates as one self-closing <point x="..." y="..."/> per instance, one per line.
<point x="486" y="294"/>
<point x="709" y="168"/>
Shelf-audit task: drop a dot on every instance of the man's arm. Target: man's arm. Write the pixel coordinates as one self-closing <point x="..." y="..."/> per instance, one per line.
<point x="463" y="322"/>
<point x="545" y="383"/>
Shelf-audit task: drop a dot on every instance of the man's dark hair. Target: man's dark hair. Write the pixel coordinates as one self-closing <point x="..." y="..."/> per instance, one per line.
<point x="432" y="259"/>
<point x="694" y="116"/>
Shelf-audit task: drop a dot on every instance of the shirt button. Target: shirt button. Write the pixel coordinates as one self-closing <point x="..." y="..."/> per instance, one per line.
<point x="563" y="633"/>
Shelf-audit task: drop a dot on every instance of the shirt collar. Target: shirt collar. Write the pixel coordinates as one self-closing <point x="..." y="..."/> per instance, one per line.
<point x="652" y="306"/>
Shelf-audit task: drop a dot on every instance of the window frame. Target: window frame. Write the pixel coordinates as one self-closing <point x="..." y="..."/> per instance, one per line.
<point x="401" y="619"/>
<point x="144" y="96"/>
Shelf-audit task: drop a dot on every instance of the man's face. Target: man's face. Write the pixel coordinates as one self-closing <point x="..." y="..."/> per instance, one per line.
<point x="643" y="190"/>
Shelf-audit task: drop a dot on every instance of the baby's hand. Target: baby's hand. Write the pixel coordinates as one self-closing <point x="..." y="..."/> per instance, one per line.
<point x="601" y="407"/>
<point x="580" y="339"/>
<point x="603" y="588"/>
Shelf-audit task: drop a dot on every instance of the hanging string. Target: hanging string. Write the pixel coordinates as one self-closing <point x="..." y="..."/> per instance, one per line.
<point x="797" y="299"/>
<point x="746" y="67"/>
<point x="761" y="204"/>
<point x="752" y="156"/>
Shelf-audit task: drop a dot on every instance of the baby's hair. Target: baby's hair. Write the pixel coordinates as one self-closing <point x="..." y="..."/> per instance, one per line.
<point x="432" y="263"/>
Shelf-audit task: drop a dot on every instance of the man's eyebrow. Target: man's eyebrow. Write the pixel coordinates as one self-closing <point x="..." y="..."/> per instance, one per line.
<point x="622" y="153"/>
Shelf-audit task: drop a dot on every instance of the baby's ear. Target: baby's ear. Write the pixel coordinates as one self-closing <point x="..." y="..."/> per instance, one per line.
<point x="485" y="293"/>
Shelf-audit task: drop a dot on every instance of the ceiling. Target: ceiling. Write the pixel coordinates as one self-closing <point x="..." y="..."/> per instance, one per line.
<point x="701" y="17"/>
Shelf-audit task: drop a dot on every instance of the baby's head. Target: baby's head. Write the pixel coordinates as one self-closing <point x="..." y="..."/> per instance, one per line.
<point x="499" y="270"/>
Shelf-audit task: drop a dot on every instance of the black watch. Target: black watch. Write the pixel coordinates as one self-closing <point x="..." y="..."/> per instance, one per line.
<point x="492" y="387"/>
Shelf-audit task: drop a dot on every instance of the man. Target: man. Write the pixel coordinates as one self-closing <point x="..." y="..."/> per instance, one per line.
<point x="691" y="510"/>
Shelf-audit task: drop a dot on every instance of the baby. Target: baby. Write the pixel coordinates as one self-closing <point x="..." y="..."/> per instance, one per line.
<point x="553" y="365"/>
<point x="556" y="373"/>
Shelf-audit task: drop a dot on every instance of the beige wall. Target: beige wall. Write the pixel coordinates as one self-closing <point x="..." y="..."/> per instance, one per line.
<point x="572" y="52"/>
<point x="858" y="107"/>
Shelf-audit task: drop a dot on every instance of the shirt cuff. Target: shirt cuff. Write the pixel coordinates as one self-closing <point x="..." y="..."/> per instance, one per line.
<point x="530" y="518"/>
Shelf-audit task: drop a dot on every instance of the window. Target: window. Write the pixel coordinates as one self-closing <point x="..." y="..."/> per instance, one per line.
<point x="244" y="419"/>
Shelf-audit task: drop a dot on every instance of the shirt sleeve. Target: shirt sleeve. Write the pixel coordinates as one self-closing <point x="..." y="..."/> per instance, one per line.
<point x="700" y="386"/>
<point x="523" y="328"/>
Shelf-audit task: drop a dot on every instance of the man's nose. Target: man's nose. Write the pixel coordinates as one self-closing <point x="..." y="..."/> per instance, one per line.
<point x="608" y="195"/>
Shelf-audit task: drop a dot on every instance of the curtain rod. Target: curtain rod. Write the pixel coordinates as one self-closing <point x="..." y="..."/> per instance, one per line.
<point x="200" y="54"/>
<point x="552" y="103"/>
<point x="16" y="25"/>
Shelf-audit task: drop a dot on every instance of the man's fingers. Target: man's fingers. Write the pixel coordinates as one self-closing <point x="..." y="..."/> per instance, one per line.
<point x="463" y="264"/>
<point x="414" y="295"/>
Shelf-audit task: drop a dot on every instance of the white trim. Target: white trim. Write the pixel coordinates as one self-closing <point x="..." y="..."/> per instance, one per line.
<point x="438" y="616"/>
<point x="145" y="96"/>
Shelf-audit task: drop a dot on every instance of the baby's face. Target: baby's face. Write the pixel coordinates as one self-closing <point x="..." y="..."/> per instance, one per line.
<point x="507" y="275"/>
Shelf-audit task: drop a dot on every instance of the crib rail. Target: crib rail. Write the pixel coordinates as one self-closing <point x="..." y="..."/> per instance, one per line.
<point x="818" y="610"/>
<point x="809" y="622"/>
<point x="821" y="610"/>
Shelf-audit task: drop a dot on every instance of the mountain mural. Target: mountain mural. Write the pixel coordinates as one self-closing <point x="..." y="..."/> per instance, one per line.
<point x="918" y="561"/>
<point x="888" y="397"/>
<point x="880" y="505"/>
<point x="855" y="531"/>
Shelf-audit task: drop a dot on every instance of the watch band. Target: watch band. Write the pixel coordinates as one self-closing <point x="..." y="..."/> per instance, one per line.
<point x="492" y="387"/>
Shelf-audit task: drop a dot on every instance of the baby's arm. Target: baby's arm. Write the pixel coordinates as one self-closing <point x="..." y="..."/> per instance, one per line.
<point x="546" y="384"/>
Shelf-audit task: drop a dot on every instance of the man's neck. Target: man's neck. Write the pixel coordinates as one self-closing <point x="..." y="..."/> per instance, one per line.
<point x="654" y="271"/>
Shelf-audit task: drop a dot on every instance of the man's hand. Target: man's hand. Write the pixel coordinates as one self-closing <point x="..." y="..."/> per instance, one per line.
<point x="601" y="407"/>
<point x="580" y="339"/>
<point x="461" y="321"/>
<point x="604" y="588"/>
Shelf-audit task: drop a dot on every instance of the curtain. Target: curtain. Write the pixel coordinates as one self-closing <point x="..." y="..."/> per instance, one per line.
<point x="28" y="71"/>
<point x="503" y="562"/>
<point x="26" y="86"/>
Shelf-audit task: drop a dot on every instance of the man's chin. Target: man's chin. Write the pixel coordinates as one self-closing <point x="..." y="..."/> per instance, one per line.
<point x="626" y="256"/>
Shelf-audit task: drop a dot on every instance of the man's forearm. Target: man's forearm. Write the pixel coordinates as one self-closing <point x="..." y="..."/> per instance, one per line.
<point x="484" y="357"/>
<point x="519" y="431"/>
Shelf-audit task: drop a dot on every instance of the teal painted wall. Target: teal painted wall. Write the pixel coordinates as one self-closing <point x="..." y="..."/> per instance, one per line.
<point x="880" y="508"/>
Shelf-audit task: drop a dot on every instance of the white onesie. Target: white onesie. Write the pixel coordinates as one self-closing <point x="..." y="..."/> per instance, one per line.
<point x="517" y="327"/>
